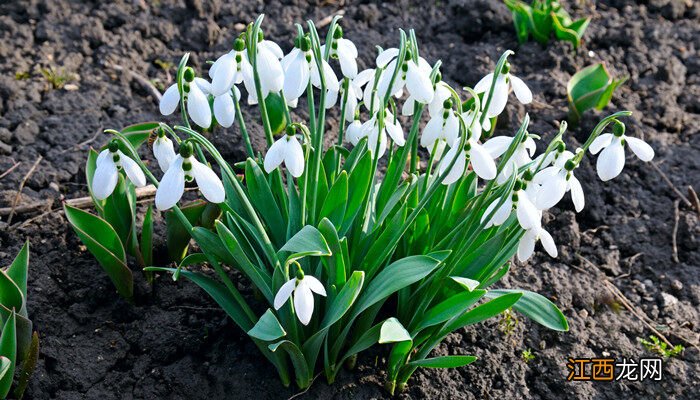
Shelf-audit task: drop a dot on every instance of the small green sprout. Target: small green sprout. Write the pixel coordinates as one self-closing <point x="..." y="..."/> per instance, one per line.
<point x="508" y="322"/>
<point x="527" y="356"/>
<point x="57" y="77"/>
<point x="591" y="87"/>
<point x="655" y="345"/>
<point x="544" y="17"/>
<point x="22" y="75"/>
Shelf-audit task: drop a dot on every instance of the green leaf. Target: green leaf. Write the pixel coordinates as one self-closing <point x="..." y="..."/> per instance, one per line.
<point x="444" y="362"/>
<point x="138" y="134"/>
<point x="264" y="201"/>
<point x="268" y="328"/>
<point x="449" y="308"/>
<point x="301" y="367"/>
<point x="466" y="283"/>
<point x="590" y="87"/>
<point x="117" y="212"/>
<point x="396" y="276"/>
<point x="10" y="294"/>
<point x="358" y="188"/>
<point x="28" y="366"/>
<point x="23" y="329"/>
<point x="335" y="265"/>
<point x="100" y="238"/>
<point x="8" y="349"/>
<point x="536" y="307"/>
<point x="177" y="236"/>
<point x="482" y="312"/>
<point x="334" y="205"/>
<point x="345" y="299"/>
<point x="392" y="331"/>
<point x="19" y="268"/>
<point x="218" y="292"/>
<point x="307" y="242"/>
<point x="147" y="237"/>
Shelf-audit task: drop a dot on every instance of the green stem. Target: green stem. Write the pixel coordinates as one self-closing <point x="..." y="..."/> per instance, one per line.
<point x="241" y="125"/>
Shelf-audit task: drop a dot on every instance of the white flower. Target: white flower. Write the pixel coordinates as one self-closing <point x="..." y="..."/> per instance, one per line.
<point x="269" y="69"/>
<point x="286" y="149"/>
<point x="500" y="92"/>
<point x="442" y="127"/>
<point x="354" y="132"/>
<point x="196" y="99"/>
<point x="225" y="109"/>
<point x="414" y="76"/>
<point x="172" y="186"/>
<point x="611" y="160"/>
<point x="528" y="215"/>
<point x="346" y="53"/>
<point x="164" y="152"/>
<point x="480" y="159"/>
<point x="302" y="290"/>
<point x="522" y="155"/>
<point x="228" y="69"/>
<point x="526" y="246"/>
<point x="370" y="129"/>
<point x="476" y="127"/>
<point x="300" y="68"/>
<point x="108" y="164"/>
<point x="555" y="181"/>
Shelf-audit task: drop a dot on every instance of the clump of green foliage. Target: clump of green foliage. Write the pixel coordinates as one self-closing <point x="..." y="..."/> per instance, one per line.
<point x="591" y="87"/>
<point x="527" y="356"/>
<point x="508" y="322"/>
<point x="544" y="17"/>
<point x="57" y="77"/>
<point x="655" y="345"/>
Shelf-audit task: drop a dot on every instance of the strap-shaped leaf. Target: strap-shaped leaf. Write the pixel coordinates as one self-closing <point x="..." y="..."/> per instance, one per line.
<point x="301" y="368"/>
<point x="28" y="365"/>
<point x="268" y="328"/>
<point x="5" y="365"/>
<point x="392" y="331"/>
<point x="102" y="241"/>
<point x="307" y="242"/>
<point x="264" y="201"/>
<point x="19" y="268"/>
<point x="178" y="236"/>
<point x="444" y="362"/>
<point x="8" y="349"/>
<point x="218" y="292"/>
<point x="334" y="205"/>
<point x="536" y="307"/>
<point x="10" y="294"/>
<point x="335" y="265"/>
<point x="482" y="312"/>
<point x="23" y="329"/>
<point x="147" y="237"/>
<point x="358" y="187"/>
<point x="449" y="308"/>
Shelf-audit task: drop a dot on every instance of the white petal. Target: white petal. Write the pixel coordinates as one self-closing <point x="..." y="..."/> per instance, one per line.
<point x="526" y="246"/>
<point x="576" y="193"/>
<point x="408" y="106"/>
<point x="640" y="148"/>
<point x="296" y="77"/>
<point x="548" y="243"/>
<point x="315" y="285"/>
<point x="437" y="105"/>
<point x="294" y="157"/>
<point x="450" y="131"/>
<point x="303" y="302"/>
<point x="272" y="47"/>
<point x="363" y="77"/>
<point x="528" y="215"/>
<point x="395" y="132"/>
<point x="503" y="212"/>
<point x="457" y="169"/>
<point x="104" y="155"/>
<point x="172" y="186"/>
<point x="350" y="106"/>
<point x="270" y="72"/>
<point x="198" y="107"/>
<point x="481" y="160"/>
<point x="500" y="98"/>
<point x="386" y="56"/>
<point x="203" y="85"/>
<point x="284" y="293"/>
<point x="484" y="84"/>
<point x="348" y="62"/>
<point x="354" y="132"/>
<point x="431" y="132"/>
<point x="331" y="98"/>
<point x="347" y="46"/>
<point x="522" y="92"/>
<point x="105" y="179"/>
<point x="600" y="143"/>
<point x="498" y="145"/>
<point x="209" y="183"/>
<point x="170" y="100"/>
<point x="275" y="154"/>
<point x="224" y="110"/>
<point x="132" y="170"/>
<point x="611" y="161"/>
<point x="419" y="84"/>
<point x="164" y="152"/>
<point x="222" y="79"/>
<point x="552" y="191"/>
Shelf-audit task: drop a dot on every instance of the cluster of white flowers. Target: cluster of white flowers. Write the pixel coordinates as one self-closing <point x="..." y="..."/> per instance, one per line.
<point x="540" y="183"/>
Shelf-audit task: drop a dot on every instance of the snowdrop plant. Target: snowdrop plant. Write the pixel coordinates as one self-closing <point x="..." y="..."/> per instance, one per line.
<point x="325" y="238"/>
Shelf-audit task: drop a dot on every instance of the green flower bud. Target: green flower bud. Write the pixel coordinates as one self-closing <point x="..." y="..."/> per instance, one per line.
<point x="338" y="32"/>
<point x="113" y="146"/>
<point x="506" y="68"/>
<point x="186" y="149"/>
<point x="618" y="129"/>
<point x="189" y="74"/>
<point x="569" y="165"/>
<point x="239" y="44"/>
<point x="447" y="104"/>
<point x="291" y="130"/>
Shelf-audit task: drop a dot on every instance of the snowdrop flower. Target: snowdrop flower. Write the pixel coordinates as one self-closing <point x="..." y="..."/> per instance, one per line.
<point x="300" y="68"/>
<point x="286" y="149"/>
<point x="414" y="76"/>
<point x="441" y="128"/>
<point x="354" y="132"/>
<point x="476" y="127"/>
<point x="164" y="151"/>
<point x="611" y="160"/>
<point x="556" y="180"/>
<point x="481" y="161"/>
<point x="109" y="162"/>
<point x="196" y="90"/>
<point x="345" y="51"/>
<point x="528" y="215"/>
<point x="522" y="155"/>
<point x="269" y="68"/>
<point x="505" y="81"/>
<point x="526" y="246"/>
<point x="228" y="69"/>
<point x="301" y="289"/>
<point x="187" y="168"/>
<point x="224" y="107"/>
<point x="370" y="129"/>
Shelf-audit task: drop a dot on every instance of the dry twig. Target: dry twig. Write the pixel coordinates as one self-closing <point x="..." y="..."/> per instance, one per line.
<point x="12" y="168"/>
<point x="670" y="184"/>
<point x="21" y="186"/>
<point x="327" y="20"/>
<point x="140" y="79"/>
<point x="694" y="199"/>
<point x="674" y="238"/>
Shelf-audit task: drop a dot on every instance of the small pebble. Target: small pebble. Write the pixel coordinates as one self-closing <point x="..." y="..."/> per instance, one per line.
<point x="677" y="285"/>
<point x="583" y="313"/>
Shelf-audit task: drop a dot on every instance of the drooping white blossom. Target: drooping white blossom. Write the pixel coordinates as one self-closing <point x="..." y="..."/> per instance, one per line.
<point x="302" y="293"/>
<point x="522" y="155"/>
<point x="270" y="71"/>
<point x="287" y="150"/>
<point x="441" y="129"/>
<point x="164" y="152"/>
<point x="300" y="68"/>
<point x="108" y="164"/>
<point x="611" y="160"/>
<point x="228" y="70"/>
<point x="187" y="168"/>
<point x="555" y="181"/>
<point x="529" y="216"/>
<point x="526" y="246"/>
<point x="370" y="129"/>
<point x="480" y="160"/>
<point x="414" y="76"/>
<point x="196" y="99"/>
<point x="504" y="82"/>
<point x="345" y="51"/>
<point x="354" y="132"/>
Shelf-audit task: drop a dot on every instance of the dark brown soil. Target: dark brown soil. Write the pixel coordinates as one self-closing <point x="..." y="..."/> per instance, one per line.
<point x="174" y="343"/>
